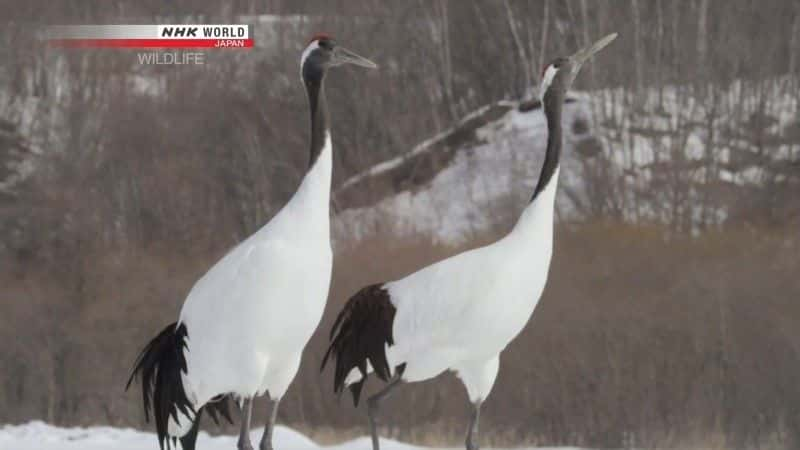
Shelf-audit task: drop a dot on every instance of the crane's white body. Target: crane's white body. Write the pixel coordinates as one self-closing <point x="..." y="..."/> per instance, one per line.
<point x="460" y="313"/>
<point x="250" y="316"/>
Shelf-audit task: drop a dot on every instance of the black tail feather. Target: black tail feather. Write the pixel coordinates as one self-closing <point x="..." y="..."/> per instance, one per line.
<point x="218" y="406"/>
<point x="361" y="333"/>
<point x="355" y="390"/>
<point x="160" y="366"/>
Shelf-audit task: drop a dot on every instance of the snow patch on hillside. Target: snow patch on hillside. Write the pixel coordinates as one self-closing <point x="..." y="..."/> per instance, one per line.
<point x="718" y="143"/>
<point x="486" y="185"/>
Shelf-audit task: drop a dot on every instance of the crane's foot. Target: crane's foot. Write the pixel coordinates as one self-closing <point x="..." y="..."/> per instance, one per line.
<point x="244" y="433"/>
<point x="266" y="443"/>
<point x="269" y="428"/>
<point x="472" y="431"/>
<point x="244" y="445"/>
<point x="373" y="406"/>
<point x="372" y="414"/>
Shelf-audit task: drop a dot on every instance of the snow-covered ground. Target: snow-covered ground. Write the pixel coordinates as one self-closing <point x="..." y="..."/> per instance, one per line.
<point x="40" y="436"/>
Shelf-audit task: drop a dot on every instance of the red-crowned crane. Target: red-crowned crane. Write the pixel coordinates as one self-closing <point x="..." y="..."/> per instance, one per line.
<point x="459" y="313"/>
<point x="245" y="323"/>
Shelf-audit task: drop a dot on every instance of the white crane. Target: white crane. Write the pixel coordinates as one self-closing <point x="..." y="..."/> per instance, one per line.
<point x="459" y="313"/>
<point x="245" y="323"/>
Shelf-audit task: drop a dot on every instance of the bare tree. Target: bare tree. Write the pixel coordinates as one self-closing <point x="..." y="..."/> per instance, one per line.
<point x="702" y="63"/>
<point x="794" y="43"/>
<point x="638" y="56"/>
<point x="545" y="31"/>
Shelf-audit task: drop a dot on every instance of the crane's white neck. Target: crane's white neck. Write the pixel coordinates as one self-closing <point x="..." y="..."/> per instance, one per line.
<point x="536" y="221"/>
<point x="312" y="199"/>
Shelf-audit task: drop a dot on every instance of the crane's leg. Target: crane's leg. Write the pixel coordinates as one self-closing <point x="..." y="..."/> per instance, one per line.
<point x="266" y="438"/>
<point x="472" y="431"/>
<point x="372" y="409"/>
<point x="478" y="378"/>
<point x="244" y="433"/>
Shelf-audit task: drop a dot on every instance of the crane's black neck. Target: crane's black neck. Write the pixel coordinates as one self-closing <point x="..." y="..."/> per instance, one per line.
<point x="553" y="102"/>
<point x="319" y="114"/>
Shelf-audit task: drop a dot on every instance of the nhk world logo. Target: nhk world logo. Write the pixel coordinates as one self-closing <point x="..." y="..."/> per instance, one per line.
<point x="183" y="36"/>
<point x="236" y="32"/>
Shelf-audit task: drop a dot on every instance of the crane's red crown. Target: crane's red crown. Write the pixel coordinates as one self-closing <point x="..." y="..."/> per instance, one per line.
<point x="319" y="37"/>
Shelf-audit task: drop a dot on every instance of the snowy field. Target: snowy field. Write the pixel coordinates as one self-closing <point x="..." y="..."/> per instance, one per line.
<point x="40" y="436"/>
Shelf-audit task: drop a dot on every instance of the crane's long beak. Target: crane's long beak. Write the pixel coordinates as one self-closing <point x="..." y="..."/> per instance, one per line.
<point x="583" y="55"/>
<point x="342" y="55"/>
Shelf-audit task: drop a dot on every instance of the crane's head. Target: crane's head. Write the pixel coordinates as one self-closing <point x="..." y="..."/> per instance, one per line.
<point x="322" y="52"/>
<point x="557" y="77"/>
